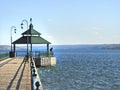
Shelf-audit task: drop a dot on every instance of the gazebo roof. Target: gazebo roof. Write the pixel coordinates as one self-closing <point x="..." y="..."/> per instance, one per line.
<point x="31" y="31"/>
<point x="33" y="37"/>
<point x="31" y="40"/>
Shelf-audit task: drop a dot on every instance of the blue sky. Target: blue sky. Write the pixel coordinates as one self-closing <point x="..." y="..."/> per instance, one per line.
<point x="63" y="21"/>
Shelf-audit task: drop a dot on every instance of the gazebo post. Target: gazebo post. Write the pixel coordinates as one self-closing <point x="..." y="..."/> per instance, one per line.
<point x="14" y="50"/>
<point x="31" y="51"/>
<point x="48" y="49"/>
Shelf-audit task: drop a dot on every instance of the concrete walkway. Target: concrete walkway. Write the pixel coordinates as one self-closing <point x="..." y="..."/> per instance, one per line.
<point x="15" y="74"/>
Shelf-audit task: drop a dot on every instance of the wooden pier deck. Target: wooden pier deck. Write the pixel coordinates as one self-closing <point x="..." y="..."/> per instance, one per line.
<point x="15" y="74"/>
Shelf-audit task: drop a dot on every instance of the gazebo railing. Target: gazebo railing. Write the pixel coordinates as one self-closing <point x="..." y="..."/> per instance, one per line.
<point x="21" y="53"/>
<point x="42" y="54"/>
<point x="4" y="55"/>
<point x="35" y="54"/>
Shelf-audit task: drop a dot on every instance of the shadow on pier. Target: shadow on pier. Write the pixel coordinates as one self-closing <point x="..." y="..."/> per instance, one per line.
<point x="15" y="74"/>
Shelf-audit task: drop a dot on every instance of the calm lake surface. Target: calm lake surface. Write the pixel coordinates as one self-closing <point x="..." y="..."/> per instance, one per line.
<point x="82" y="68"/>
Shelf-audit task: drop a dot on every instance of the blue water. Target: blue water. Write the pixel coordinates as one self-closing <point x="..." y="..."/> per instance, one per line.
<point x="82" y="68"/>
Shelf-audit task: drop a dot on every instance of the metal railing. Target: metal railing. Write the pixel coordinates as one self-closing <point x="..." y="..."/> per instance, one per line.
<point x="21" y="53"/>
<point x="4" y="55"/>
<point x="42" y="54"/>
<point x="35" y="54"/>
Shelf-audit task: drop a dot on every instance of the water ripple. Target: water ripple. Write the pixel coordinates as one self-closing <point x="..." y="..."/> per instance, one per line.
<point x="83" y="71"/>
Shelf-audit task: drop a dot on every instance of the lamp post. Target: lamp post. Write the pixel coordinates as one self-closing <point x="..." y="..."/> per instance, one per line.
<point x="12" y="27"/>
<point x="27" y="33"/>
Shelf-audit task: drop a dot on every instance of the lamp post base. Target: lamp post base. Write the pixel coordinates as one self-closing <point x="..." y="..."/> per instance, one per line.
<point x="26" y="58"/>
<point x="11" y="54"/>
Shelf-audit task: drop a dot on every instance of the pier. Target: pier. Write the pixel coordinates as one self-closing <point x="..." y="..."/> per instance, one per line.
<point x="16" y="74"/>
<point x="18" y="70"/>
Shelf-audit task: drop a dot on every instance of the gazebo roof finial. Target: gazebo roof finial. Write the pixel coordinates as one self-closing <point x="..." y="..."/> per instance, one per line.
<point x="30" y="20"/>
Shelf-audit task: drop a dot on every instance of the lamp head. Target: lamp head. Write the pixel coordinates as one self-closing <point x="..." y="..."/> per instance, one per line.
<point x="21" y="25"/>
<point x="15" y="30"/>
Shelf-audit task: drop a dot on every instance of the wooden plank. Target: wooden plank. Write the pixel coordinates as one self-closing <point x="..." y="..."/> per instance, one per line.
<point x="15" y="74"/>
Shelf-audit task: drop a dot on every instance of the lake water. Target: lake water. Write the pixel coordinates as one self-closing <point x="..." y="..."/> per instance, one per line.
<point x="82" y="68"/>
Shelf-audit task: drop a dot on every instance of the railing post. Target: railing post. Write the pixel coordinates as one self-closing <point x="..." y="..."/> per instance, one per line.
<point x="34" y="72"/>
<point x="37" y="85"/>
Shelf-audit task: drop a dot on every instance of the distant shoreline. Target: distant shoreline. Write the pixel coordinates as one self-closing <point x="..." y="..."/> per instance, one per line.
<point x="104" y="46"/>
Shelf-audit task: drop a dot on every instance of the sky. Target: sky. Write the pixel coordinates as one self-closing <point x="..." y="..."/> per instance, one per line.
<point x="63" y="22"/>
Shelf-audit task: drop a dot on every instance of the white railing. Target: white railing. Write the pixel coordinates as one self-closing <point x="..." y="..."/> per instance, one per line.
<point x="35" y="77"/>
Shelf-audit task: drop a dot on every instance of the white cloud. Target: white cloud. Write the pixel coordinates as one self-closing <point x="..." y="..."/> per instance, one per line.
<point x="97" y="30"/>
<point x="50" y="20"/>
<point x="49" y="38"/>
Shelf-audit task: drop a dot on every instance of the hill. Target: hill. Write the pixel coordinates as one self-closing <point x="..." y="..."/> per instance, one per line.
<point x="5" y="47"/>
<point x="103" y="46"/>
<point x="111" y="46"/>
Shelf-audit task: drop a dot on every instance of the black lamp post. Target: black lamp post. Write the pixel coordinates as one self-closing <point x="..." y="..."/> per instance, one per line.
<point x="27" y="32"/>
<point x="12" y="27"/>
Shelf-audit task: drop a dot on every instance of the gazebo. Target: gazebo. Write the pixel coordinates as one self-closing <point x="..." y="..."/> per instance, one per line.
<point x="30" y="37"/>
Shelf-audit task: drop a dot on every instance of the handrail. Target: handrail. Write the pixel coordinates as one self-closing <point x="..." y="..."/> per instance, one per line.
<point x="35" y="77"/>
<point x="35" y="53"/>
<point x="43" y="54"/>
<point x="4" y="55"/>
<point x="21" y="53"/>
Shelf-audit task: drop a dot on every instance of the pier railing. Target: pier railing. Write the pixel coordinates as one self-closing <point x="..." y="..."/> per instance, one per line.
<point x="35" y="54"/>
<point x="42" y="54"/>
<point x="21" y="53"/>
<point x="4" y="55"/>
<point x="36" y="83"/>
